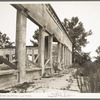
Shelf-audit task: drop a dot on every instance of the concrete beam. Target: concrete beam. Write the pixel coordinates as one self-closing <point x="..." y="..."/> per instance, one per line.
<point x="44" y="16"/>
<point x="20" y="51"/>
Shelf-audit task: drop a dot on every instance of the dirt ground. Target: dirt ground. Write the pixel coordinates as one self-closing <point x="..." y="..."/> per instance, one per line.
<point x="64" y="81"/>
<point x="59" y="82"/>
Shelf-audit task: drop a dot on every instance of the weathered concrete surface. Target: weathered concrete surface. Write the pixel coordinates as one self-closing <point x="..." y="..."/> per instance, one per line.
<point x="20" y="51"/>
<point x="9" y="78"/>
<point x="44" y="16"/>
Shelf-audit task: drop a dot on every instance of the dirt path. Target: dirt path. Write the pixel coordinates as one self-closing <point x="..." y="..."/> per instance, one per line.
<point x="61" y="82"/>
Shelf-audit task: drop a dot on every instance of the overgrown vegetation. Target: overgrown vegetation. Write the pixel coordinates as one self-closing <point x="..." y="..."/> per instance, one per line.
<point x="88" y="77"/>
<point x="88" y="72"/>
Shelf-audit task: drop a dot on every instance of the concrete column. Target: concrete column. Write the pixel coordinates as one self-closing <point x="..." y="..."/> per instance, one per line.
<point x="59" y="53"/>
<point x="71" y="58"/>
<point x="63" y="56"/>
<point x="46" y="48"/>
<point x="67" y="58"/>
<point x="33" y="55"/>
<point x="10" y="56"/>
<point x="41" y="46"/>
<point x="61" y="59"/>
<point x="20" y="50"/>
<point x="50" y="49"/>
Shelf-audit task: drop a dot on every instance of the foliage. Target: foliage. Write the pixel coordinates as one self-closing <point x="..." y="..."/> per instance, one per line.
<point x="98" y="55"/>
<point x="82" y="58"/>
<point x="78" y="35"/>
<point x="98" y="51"/>
<point x="4" y="40"/>
<point x="34" y="43"/>
<point x="88" y="77"/>
<point x="35" y="36"/>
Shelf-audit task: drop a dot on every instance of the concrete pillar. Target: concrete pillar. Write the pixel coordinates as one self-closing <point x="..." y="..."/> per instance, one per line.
<point x="46" y="48"/>
<point x="71" y="58"/>
<point x="41" y="46"/>
<point x="33" y="57"/>
<point x="63" y="56"/>
<point x="50" y="49"/>
<point x="67" y="57"/>
<point x="61" y="59"/>
<point x="20" y="50"/>
<point x="59" y="53"/>
<point x="10" y="56"/>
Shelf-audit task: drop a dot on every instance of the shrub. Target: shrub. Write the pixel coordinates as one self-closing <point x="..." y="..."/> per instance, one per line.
<point x="88" y="78"/>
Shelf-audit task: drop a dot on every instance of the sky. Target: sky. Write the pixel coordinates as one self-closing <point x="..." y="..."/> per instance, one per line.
<point x="87" y="12"/>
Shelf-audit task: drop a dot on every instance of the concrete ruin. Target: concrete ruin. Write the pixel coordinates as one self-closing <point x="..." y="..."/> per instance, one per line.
<point x="50" y="30"/>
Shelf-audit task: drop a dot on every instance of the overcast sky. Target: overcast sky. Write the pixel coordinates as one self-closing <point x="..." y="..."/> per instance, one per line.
<point x="87" y="12"/>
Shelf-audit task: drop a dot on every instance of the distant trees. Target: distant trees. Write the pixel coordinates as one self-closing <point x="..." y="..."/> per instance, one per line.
<point x="5" y="40"/>
<point x="35" y="37"/>
<point x="98" y="55"/>
<point x="78" y="35"/>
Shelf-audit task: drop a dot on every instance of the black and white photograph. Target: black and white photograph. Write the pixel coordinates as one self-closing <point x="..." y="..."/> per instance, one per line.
<point x="50" y="49"/>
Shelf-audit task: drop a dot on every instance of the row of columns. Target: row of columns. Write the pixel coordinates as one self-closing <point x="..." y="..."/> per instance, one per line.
<point x="44" y="47"/>
<point x="64" y="55"/>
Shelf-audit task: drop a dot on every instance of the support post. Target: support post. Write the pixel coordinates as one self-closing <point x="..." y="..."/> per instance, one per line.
<point x="21" y="45"/>
<point x="33" y="55"/>
<point x="67" y="57"/>
<point x="59" y="54"/>
<point x="50" y="47"/>
<point x="71" y="58"/>
<point x="46" y="48"/>
<point x="63" y="55"/>
<point x="10" y="56"/>
<point x="41" y="49"/>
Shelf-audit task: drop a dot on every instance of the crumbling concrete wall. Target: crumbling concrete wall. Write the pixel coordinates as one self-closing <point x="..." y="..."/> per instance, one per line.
<point x="9" y="78"/>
